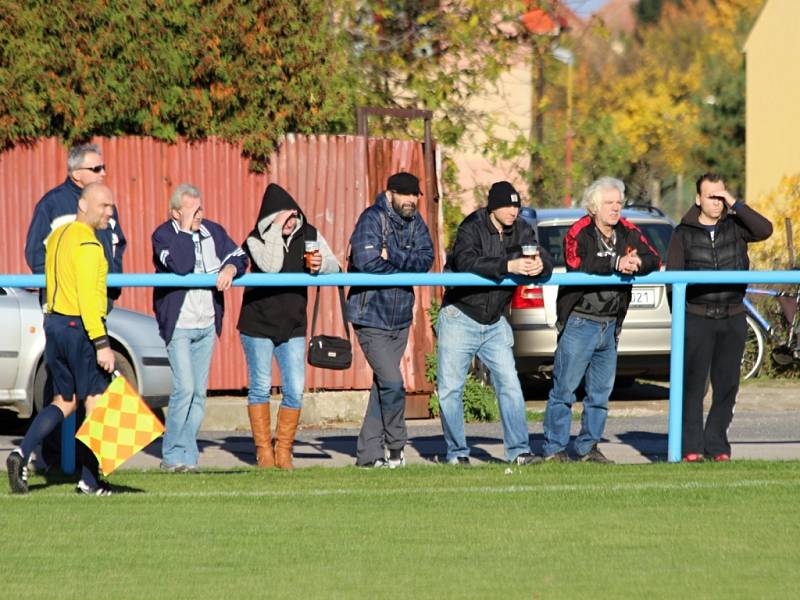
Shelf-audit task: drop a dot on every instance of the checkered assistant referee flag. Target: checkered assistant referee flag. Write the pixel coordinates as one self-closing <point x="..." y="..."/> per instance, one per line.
<point x="119" y="425"/>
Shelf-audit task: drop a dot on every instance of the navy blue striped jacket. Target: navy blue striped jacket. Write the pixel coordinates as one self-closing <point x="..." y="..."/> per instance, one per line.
<point x="410" y="250"/>
<point x="173" y="252"/>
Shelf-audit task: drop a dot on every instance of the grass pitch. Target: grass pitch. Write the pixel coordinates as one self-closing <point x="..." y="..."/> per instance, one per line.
<point x="549" y="531"/>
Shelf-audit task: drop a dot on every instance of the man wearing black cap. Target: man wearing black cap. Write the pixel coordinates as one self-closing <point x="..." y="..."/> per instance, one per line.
<point x="494" y="243"/>
<point x="390" y="237"/>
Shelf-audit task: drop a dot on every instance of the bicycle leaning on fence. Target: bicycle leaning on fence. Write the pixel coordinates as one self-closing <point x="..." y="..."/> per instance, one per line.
<point x="786" y="349"/>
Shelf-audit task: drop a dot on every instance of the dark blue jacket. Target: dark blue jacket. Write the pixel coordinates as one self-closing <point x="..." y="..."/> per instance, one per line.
<point x="410" y="250"/>
<point x="173" y="252"/>
<point x="59" y="206"/>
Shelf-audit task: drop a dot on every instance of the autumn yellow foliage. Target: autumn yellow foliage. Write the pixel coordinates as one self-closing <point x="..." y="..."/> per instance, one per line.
<point x="781" y="203"/>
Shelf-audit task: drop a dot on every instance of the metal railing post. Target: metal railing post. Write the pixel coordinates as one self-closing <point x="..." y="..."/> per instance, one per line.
<point x="676" y="373"/>
<point x="68" y="445"/>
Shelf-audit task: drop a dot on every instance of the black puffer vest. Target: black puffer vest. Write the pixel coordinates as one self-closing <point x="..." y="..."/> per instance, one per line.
<point x="726" y="252"/>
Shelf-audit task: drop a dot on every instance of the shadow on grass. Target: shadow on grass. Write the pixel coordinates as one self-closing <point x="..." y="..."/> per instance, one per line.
<point x="55" y="478"/>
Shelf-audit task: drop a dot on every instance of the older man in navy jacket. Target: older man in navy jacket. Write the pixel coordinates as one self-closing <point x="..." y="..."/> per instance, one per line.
<point x="188" y="318"/>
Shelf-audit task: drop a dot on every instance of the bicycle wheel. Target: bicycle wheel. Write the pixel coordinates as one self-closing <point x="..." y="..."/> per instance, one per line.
<point x="753" y="349"/>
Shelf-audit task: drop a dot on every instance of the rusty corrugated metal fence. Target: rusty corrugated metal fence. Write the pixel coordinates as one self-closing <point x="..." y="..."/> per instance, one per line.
<point x="333" y="178"/>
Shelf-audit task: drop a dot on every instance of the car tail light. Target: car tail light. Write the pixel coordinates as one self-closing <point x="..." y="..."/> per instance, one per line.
<point x="528" y="296"/>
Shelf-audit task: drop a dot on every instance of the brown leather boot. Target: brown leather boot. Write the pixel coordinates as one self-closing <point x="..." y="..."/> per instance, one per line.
<point x="284" y="436"/>
<point x="259" y="424"/>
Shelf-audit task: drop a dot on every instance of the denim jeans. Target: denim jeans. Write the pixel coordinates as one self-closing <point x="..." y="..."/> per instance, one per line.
<point x="460" y="338"/>
<point x="586" y="348"/>
<point x="189" y="353"/>
<point x="291" y="358"/>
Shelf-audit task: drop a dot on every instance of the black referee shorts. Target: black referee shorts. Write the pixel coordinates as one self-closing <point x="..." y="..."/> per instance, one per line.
<point x="72" y="358"/>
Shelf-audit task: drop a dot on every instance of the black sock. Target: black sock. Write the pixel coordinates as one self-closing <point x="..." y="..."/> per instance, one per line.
<point x="90" y="470"/>
<point x="45" y="422"/>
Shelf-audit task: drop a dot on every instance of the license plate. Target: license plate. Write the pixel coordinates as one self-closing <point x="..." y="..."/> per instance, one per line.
<point x="643" y="297"/>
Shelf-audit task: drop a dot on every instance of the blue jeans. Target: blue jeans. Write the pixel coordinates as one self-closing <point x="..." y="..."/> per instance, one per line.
<point x="291" y="358"/>
<point x="460" y="338"/>
<point x="189" y="353"/>
<point x="586" y="348"/>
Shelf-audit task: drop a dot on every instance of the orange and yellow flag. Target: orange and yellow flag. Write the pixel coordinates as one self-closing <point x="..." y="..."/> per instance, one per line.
<point x="119" y="425"/>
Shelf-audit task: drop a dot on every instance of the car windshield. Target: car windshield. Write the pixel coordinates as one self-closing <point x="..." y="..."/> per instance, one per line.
<point x="552" y="238"/>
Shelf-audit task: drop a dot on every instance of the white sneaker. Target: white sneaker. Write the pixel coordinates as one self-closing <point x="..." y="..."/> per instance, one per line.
<point x="378" y="463"/>
<point x="396" y="461"/>
<point x="102" y="489"/>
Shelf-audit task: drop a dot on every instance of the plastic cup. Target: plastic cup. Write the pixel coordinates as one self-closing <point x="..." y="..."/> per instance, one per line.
<point x="530" y="250"/>
<point x="311" y="248"/>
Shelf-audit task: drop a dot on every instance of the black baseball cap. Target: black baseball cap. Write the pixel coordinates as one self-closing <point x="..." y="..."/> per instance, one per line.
<point x="403" y="183"/>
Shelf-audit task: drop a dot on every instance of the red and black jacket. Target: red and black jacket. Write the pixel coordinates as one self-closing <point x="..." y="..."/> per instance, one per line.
<point x="583" y="253"/>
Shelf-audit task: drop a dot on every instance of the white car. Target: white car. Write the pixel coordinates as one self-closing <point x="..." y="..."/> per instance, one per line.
<point x="138" y="349"/>
<point x="644" y="344"/>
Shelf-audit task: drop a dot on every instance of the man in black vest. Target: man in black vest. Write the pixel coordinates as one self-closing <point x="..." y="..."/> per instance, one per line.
<point x="713" y="236"/>
<point x="273" y="320"/>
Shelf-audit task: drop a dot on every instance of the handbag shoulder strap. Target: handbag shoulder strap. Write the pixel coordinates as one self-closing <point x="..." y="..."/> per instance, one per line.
<point x="316" y="312"/>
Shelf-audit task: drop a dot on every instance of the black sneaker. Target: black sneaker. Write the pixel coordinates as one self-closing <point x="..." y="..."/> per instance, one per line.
<point x="17" y="472"/>
<point x="560" y="456"/>
<point x="460" y="461"/>
<point x="595" y="456"/>
<point x="527" y="459"/>
<point x="102" y="489"/>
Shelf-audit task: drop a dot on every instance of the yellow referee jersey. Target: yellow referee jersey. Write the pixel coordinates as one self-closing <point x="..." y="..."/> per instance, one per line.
<point x="75" y="274"/>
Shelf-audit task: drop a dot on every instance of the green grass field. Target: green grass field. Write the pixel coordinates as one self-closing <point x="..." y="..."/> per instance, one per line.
<point x="550" y="531"/>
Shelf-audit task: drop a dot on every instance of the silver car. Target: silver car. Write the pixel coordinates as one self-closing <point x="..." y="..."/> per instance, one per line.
<point x="644" y="344"/>
<point x="138" y="349"/>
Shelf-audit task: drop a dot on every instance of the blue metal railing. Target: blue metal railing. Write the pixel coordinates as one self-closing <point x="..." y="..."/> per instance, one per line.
<point x="678" y="279"/>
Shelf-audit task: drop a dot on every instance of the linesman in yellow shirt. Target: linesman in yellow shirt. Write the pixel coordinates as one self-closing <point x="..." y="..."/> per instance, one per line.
<point x="77" y="348"/>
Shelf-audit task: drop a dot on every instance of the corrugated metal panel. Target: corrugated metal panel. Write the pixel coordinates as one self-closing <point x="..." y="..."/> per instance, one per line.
<point x="333" y="179"/>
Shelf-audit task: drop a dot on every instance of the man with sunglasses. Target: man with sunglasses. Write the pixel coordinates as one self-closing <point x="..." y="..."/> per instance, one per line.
<point x="60" y="205"/>
<point x="57" y="207"/>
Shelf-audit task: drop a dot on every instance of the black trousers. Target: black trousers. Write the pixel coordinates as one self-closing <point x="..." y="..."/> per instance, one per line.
<point x="712" y="347"/>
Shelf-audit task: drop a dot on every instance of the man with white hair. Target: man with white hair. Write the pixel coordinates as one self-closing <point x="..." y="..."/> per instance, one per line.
<point x="189" y="318"/>
<point x="589" y="318"/>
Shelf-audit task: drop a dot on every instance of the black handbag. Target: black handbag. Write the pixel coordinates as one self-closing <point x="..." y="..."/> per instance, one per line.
<point x="329" y="351"/>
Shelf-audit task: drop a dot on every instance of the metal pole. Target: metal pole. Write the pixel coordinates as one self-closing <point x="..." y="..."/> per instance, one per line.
<point x="68" y="445"/>
<point x="429" y="166"/>
<point x="568" y="145"/>
<point x="676" y="373"/>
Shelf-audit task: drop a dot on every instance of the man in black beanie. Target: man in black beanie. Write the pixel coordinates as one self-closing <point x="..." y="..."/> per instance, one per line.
<point x="492" y="242"/>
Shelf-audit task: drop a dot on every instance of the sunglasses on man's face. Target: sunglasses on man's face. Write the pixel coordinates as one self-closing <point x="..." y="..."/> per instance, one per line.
<point x="95" y="169"/>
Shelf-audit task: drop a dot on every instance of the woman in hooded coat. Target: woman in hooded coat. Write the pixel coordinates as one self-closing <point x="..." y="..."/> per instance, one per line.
<point x="272" y="321"/>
